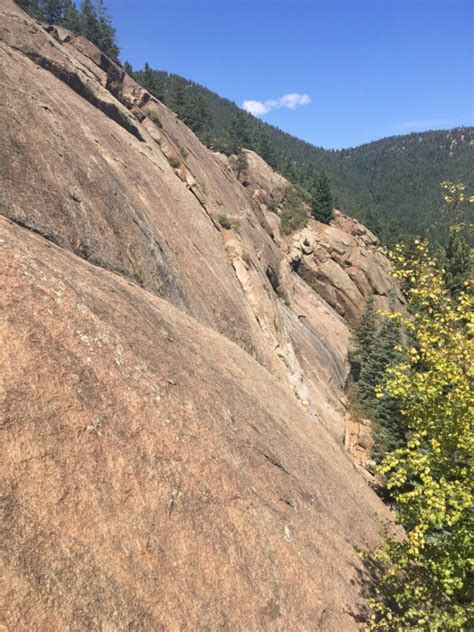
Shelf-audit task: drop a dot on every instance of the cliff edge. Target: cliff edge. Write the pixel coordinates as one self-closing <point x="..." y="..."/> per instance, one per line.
<point x="173" y="368"/>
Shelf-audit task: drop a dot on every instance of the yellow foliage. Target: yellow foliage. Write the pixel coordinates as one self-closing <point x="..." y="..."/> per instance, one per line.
<point x="422" y="584"/>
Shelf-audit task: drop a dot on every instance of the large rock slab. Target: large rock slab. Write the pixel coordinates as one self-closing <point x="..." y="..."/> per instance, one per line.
<point x="172" y="390"/>
<point x="155" y="476"/>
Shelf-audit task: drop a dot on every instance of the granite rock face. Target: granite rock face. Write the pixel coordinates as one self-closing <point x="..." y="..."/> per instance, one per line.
<point x="343" y="263"/>
<point x="171" y="391"/>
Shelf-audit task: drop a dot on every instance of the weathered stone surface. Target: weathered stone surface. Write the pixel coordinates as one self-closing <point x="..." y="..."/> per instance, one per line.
<point x="345" y="266"/>
<point x="265" y="185"/>
<point x="148" y="465"/>
<point x="173" y="419"/>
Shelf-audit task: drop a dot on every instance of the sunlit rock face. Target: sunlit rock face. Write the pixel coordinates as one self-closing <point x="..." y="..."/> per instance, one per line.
<point x="173" y="368"/>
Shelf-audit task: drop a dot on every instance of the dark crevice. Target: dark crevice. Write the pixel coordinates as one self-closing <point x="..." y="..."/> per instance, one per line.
<point x="169" y="287"/>
<point x="274" y="461"/>
<point x="33" y="229"/>
<point x="73" y="80"/>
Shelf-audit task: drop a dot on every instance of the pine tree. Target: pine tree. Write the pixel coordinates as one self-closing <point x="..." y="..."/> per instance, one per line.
<point x="321" y="200"/>
<point x="373" y="222"/>
<point x="377" y="342"/>
<point x="89" y="23"/>
<point x="289" y="171"/>
<point x="52" y="11"/>
<point x="158" y="90"/>
<point x="71" y="19"/>
<point x="127" y="67"/>
<point x="240" y="164"/>
<point x="264" y="147"/>
<point x="237" y="133"/>
<point x="146" y="77"/>
<point x="390" y="428"/>
<point x="365" y="333"/>
<point x="107" y="34"/>
<point x="31" y="7"/>
<point x="457" y="262"/>
<point x="196" y="114"/>
<point x="179" y="95"/>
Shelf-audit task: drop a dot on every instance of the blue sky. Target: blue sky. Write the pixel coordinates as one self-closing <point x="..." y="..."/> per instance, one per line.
<point x="355" y="70"/>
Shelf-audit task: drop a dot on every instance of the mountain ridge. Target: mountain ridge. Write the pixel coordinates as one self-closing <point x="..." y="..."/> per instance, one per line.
<point x="368" y="179"/>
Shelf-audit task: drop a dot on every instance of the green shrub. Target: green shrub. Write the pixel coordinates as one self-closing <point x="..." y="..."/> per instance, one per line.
<point x="174" y="162"/>
<point x="154" y="118"/>
<point x="273" y="207"/>
<point x="225" y="221"/>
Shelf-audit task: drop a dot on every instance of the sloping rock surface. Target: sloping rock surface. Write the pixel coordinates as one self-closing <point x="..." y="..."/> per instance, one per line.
<point x="343" y="264"/>
<point x="154" y="476"/>
<point x="171" y="392"/>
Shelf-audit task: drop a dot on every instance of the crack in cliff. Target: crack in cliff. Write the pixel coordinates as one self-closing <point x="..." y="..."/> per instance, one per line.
<point x="73" y="81"/>
<point x="169" y="290"/>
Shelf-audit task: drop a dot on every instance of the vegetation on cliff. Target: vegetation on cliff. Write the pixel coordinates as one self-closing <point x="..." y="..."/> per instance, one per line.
<point x="90" y="19"/>
<point x="390" y="184"/>
<point x="377" y="347"/>
<point x="423" y="581"/>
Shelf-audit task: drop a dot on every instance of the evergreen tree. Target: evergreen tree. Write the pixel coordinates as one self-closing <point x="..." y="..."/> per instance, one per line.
<point x="237" y="133"/>
<point x="308" y="177"/>
<point x="96" y="25"/>
<point x="52" y="11"/>
<point x="365" y="335"/>
<point x="264" y="147"/>
<point x="196" y="114"/>
<point x="290" y="172"/>
<point x="127" y="67"/>
<point x="31" y="7"/>
<point x="158" y="90"/>
<point x="373" y="364"/>
<point x="146" y="77"/>
<point x="179" y="93"/>
<point x="389" y="428"/>
<point x="71" y="19"/>
<point x="88" y="21"/>
<point x="240" y="164"/>
<point x="321" y="200"/>
<point x="377" y="349"/>
<point x="107" y="34"/>
<point x="457" y="262"/>
<point x="373" y="222"/>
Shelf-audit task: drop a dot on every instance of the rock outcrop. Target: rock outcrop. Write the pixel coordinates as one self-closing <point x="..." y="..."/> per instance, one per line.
<point x="173" y="368"/>
<point x="343" y="264"/>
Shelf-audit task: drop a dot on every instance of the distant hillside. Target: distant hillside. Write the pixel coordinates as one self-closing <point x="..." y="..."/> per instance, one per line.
<point x="392" y="184"/>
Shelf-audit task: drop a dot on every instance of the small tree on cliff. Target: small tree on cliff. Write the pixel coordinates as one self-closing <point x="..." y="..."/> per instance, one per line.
<point x="71" y="17"/>
<point x="52" y="11"/>
<point x="321" y="200"/>
<point x="457" y="262"/>
<point x="237" y="133"/>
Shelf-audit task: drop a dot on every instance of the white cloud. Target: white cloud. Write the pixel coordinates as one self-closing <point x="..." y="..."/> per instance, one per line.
<point x="290" y="101"/>
<point x="257" y="108"/>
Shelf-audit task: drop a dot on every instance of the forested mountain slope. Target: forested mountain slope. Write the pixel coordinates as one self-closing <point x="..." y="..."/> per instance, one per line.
<point x="392" y="181"/>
